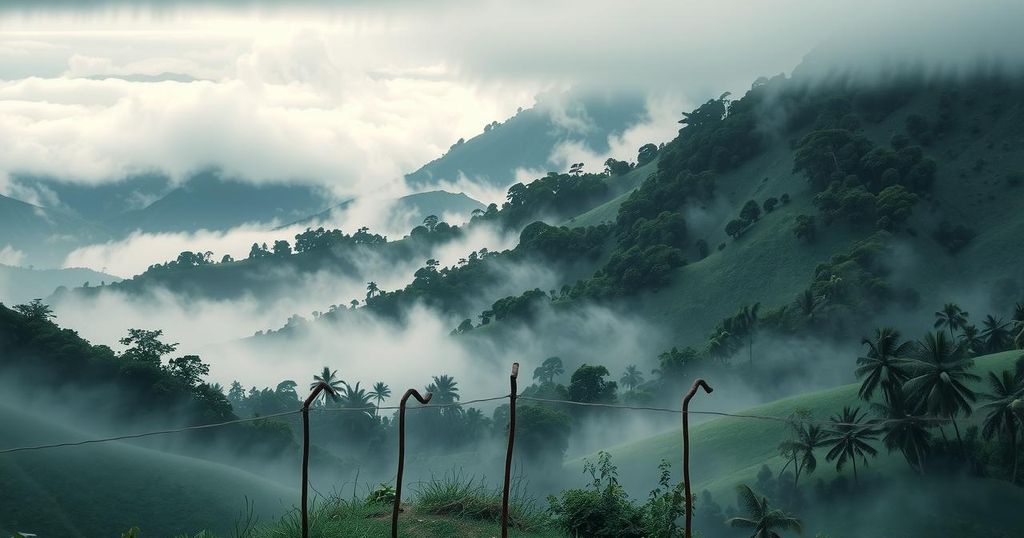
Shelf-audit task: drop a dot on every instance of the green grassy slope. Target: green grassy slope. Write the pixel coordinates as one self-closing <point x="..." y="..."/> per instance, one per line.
<point x="608" y="211"/>
<point x="732" y="450"/>
<point x="729" y="451"/>
<point x="103" y="489"/>
<point x="768" y="264"/>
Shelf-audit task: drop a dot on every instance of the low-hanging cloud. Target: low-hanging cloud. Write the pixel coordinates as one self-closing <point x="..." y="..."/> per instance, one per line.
<point x="354" y="96"/>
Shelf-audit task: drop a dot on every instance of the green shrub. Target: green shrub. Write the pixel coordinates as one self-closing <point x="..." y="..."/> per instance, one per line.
<point x="604" y="509"/>
<point x="382" y="494"/>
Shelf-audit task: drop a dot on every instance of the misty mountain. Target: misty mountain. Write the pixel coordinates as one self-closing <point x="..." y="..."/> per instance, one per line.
<point x="43" y="235"/>
<point x="22" y="284"/>
<point x="527" y="140"/>
<point x="212" y="202"/>
<point x="95" y="202"/>
<point x="413" y="207"/>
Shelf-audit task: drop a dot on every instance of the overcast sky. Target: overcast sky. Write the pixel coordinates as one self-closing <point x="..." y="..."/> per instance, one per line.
<point x="353" y="97"/>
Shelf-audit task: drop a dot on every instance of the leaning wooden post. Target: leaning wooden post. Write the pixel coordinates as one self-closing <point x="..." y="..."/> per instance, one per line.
<point x="321" y="386"/>
<point x="401" y="453"/>
<point x="686" y="452"/>
<point x="508" y="453"/>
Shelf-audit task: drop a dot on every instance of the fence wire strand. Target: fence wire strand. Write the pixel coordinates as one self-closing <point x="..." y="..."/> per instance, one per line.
<point x="146" y="434"/>
<point x="788" y="420"/>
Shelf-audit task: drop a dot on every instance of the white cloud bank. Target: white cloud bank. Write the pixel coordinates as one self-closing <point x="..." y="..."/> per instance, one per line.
<point x="355" y="95"/>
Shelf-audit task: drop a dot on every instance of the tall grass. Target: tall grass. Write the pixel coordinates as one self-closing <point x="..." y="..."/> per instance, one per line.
<point x="459" y="495"/>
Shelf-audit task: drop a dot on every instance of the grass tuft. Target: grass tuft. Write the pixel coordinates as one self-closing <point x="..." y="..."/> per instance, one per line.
<point x="463" y="496"/>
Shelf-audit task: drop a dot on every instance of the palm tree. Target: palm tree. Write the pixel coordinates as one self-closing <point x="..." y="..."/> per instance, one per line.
<point x="800" y="449"/>
<point x="951" y="316"/>
<point x="1018" y="323"/>
<point x="372" y="289"/>
<point x="380" y="393"/>
<point x="1004" y="410"/>
<point x="940" y="372"/>
<point x="745" y="323"/>
<point x="807" y="304"/>
<point x="548" y="370"/>
<point x="904" y="430"/>
<point x="445" y="389"/>
<point x="332" y="381"/>
<point x="355" y="398"/>
<point x="885" y="364"/>
<point x="632" y="377"/>
<point x="761" y="517"/>
<point x="971" y="338"/>
<point x="996" y="334"/>
<point x="721" y="345"/>
<point x="849" y="439"/>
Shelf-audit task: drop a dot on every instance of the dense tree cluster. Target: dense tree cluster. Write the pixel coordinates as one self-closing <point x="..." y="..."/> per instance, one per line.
<point x="143" y="382"/>
<point x="554" y="195"/>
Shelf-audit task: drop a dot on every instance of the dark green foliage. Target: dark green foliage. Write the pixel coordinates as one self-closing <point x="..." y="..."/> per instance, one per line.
<point x="761" y="517"/>
<point x="853" y="283"/>
<point x="953" y="237"/>
<point x="846" y="201"/>
<point x="702" y="249"/>
<point x="674" y="365"/>
<point x="569" y="244"/>
<point x="638" y="268"/>
<point x="35" y="310"/>
<point x="603" y="508"/>
<point x="282" y="248"/>
<point x="893" y="207"/>
<point x="668" y="228"/>
<point x="735" y="227"/>
<point x="560" y="195"/>
<point x="770" y="204"/>
<point x="850" y="174"/>
<point x="805" y="228"/>
<point x="542" y="433"/>
<point x="36" y="348"/>
<point x="519" y="308"/>
<point x="750" y="212"/>
<point x="588" y="385"/>
<point x="614" y="167"/>
<point x="646" y="154"/>
<point x="829" y="155"/>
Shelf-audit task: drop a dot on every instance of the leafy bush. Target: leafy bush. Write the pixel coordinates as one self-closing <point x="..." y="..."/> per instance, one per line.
<point x="604" y="509"/>
<point x="382" y="494"/>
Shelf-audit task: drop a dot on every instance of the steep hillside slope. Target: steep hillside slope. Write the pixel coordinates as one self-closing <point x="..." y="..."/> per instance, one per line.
<point x="729" y="451"/>
<point x="977" y="161"/>
<point x="102" y="490"/>
<point x="527" y="140"/>
<point x="212" y="202"/>
<point x="21" y="284"/>
<point x="44" y="236"/>
<point x="412" y="208"/>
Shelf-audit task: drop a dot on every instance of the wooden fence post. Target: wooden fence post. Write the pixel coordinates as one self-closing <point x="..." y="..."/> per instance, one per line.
<point x="401" y="454"/>
<point x="321" y="386"/>
<point x="508" y="453"/>
<point x="686" y="452"/>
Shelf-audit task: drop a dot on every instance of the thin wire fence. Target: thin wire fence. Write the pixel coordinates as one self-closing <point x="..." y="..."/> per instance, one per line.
<point x="789" y="420"/>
